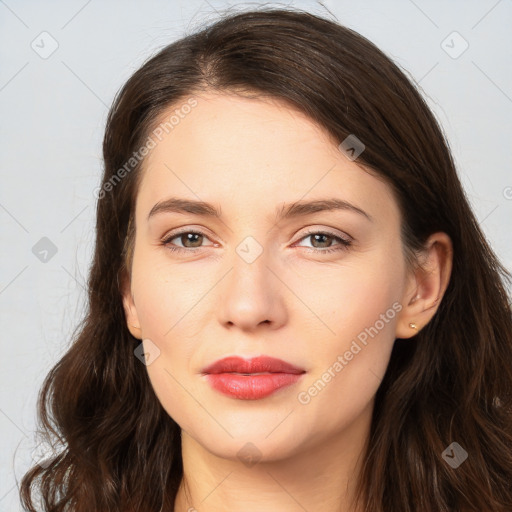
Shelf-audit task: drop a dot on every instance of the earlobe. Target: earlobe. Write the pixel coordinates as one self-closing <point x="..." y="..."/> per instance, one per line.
<point x="426" y="287"/>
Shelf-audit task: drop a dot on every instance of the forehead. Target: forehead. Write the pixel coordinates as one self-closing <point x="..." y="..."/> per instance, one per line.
<point x="251" y="153"/>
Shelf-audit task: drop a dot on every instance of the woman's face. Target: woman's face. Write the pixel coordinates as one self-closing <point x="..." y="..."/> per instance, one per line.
<point x="254" y="283"/>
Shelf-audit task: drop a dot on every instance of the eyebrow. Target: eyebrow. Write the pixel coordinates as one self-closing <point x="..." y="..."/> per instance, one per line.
<point x="286" y="211"/>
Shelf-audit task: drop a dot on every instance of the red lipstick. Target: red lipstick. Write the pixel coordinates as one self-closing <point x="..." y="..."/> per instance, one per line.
<point x="251" y="379"/>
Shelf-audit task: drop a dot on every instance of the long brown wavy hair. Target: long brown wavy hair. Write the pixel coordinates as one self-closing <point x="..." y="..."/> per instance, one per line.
<point x="451" y="382"/>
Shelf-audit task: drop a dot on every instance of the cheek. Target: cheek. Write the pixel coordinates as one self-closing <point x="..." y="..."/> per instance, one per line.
<point x="166" y="294"/>
<point x="169" y="300"/>
<point x="361" y="307"/>
<point x="168" y="316"/>
<point x="346" y="298"/>
<point x="348" y="369"/>
<point x="165" y="307"/>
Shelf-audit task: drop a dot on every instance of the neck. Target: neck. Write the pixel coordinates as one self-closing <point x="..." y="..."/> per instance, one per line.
<point x="322" y="477"/>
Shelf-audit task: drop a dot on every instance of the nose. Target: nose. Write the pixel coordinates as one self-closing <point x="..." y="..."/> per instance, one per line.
<point x="252" y="295"/>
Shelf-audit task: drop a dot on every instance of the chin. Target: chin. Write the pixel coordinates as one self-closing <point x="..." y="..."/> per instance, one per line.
<point x="255" y="443"/>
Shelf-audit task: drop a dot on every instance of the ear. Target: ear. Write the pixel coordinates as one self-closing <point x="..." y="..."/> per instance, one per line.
<point x="426" y="286"/>
<point x="130" y="311"/>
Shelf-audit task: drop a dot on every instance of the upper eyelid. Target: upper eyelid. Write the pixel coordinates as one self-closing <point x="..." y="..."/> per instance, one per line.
<point x="327" y="231"/>
<point x="172" y="234"/>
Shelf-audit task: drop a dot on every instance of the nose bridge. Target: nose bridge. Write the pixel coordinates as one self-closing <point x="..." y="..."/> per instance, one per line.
<point x="250" y="263"/>
<point x="251" y="293"/>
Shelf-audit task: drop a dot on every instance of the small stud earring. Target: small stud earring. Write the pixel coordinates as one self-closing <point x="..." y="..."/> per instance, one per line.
<point x="413" y="326"/>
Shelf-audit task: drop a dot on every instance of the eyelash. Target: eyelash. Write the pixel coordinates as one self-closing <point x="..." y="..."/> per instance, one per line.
<point x="344" y="243"/>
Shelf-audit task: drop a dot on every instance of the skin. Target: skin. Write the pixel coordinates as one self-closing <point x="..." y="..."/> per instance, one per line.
<point x="249" y="156"/>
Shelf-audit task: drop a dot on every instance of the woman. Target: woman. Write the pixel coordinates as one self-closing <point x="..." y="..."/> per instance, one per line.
<point x="291" y="304"/>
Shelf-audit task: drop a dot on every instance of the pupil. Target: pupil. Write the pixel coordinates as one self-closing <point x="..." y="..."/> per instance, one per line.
<point x="191" y="236"/>
<point x="320" y="236"/>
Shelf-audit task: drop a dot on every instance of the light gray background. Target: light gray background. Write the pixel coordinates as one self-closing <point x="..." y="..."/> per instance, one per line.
<point x="53" y="112"/>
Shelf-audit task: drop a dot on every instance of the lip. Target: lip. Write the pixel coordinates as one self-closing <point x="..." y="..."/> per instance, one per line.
<point x="251" y="379"/>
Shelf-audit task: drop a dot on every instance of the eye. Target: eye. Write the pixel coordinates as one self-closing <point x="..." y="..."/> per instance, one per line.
<point x="186" y="237"/>
<point x="192" y="241"/>
<point x="325" y="237"/>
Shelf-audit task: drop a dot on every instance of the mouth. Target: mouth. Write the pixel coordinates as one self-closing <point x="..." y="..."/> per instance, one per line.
<point x="255" y="365"/>
<point x="236" y="373"/>
<point x="251" y="379"/>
